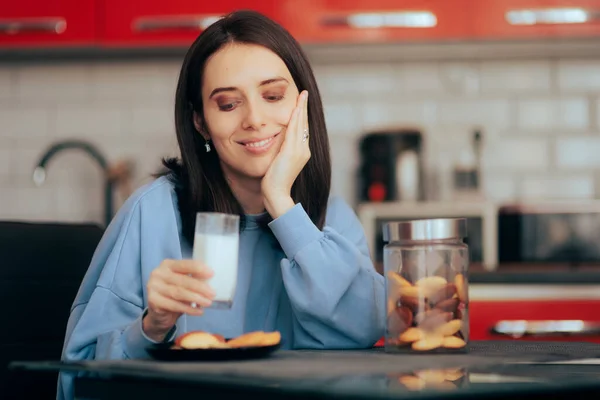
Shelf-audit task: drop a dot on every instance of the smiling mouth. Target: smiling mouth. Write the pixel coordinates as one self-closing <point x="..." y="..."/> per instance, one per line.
<point x="259" y="144"/>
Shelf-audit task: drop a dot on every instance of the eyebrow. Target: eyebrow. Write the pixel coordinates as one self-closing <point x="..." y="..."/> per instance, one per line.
<point x="232" y="88"/>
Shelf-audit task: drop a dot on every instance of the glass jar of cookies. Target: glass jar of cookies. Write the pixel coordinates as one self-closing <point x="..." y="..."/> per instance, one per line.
<point x="426" y="265"/>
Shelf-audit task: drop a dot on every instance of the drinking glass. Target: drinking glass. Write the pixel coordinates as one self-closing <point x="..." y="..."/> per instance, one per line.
<point x="216" y="244"/>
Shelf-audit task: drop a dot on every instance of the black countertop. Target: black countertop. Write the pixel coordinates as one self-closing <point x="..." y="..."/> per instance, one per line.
<point x="499" y="369"/>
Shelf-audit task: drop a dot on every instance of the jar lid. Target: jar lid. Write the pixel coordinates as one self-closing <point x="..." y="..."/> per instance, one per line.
<point x="425" y="229"/>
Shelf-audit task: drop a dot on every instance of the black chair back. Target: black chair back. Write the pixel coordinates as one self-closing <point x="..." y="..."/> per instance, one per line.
<point x="41" y="268"/>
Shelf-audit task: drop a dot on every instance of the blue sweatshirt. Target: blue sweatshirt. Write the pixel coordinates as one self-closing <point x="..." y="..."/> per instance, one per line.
<point x="318" y="288"/>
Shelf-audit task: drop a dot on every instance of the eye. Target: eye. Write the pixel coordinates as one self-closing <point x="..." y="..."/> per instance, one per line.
<point x="228" y="104"/>
<point x="227" y="107"/>
<point x="274" y="97"/>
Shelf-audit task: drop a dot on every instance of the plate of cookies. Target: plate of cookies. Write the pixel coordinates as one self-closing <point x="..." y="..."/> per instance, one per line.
<point x="205" y="346"/>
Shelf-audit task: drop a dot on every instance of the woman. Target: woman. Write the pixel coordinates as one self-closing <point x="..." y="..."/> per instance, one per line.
<point x="253" y="142"/>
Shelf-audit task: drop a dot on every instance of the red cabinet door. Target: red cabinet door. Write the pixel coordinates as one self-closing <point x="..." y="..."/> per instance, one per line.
<point x="174" y="23"/>
<point x="360" y="21"/>
<point x="37" y="23"/>
<point x="556" y="320"/>
<point x="536" y="19"/>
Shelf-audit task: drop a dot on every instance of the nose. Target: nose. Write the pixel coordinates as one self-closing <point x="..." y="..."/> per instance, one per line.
<point x="255" y="116"/>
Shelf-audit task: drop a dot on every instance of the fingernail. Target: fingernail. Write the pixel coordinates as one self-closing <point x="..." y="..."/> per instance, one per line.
<point x="205" y="302"/>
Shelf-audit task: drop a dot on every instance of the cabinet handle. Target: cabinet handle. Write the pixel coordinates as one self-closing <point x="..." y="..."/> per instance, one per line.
<point x="555" y="16"/>
<point x="520" y="328"/>
<point x="161" y="23"/>
<point x="54" y="26"/>
<point x="395" y="19"/>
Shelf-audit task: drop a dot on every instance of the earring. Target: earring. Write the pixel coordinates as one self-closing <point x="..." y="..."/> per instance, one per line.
<point x="207" y="146"/>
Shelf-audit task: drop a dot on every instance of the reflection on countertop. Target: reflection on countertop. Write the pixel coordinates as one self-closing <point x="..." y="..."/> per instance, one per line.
<point x="491" y="369"/>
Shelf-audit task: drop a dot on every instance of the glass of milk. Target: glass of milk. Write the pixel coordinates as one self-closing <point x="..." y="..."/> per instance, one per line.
<point x="216" y="244"/>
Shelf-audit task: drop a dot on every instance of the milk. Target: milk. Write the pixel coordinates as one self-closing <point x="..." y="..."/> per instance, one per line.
<point x="219" y="253"/>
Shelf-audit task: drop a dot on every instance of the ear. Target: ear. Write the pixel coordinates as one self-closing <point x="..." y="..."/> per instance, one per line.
<point x="199" y="125"/>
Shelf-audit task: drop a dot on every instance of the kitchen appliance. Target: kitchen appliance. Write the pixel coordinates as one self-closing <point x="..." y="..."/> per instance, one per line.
<point x="391" y="166"/>
<point x="466" y="174"/>
<point x="481" y="216"/>
<point x="550" y="232"/>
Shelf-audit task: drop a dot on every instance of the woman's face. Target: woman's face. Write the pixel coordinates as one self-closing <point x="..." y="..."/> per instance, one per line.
<point x="248" y="96"/>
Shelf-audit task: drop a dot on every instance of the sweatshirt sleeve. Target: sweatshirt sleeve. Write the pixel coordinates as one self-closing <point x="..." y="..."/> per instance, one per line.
<point x="337" y="296"/>
<point x="105" y="321"/>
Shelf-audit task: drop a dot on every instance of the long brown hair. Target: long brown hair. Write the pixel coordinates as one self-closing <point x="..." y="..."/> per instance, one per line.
<point x="200" y="183"/>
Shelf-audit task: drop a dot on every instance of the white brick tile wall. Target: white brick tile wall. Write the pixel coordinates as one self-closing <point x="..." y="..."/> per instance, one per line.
<point x="29" y="203"/>
<point x="558" y="187"/>
<point x="343" y="118"/>
<point x="148" y="120"/>
<point x="26" y="122"/>
<point x="494" y="112"/>
<point x="6" y="82"/>
<point x="460" y="78"/>
<point x="126" y="109"/>
<point x="6" y="150"/>
<point x="362" y="80"/>
<point x="516" y="77"/>
<point x="501" y="186"/>
<point x="91" y="121"/>
<point x="516" y="154"/>
<point x="53" y="83"/>
<point x="597" y="111"/>
<point x="544" y="114"/>
<point x="579" y="75"/>
<point x="445" y="143"/>
<point x="378" y="115"/>
<point x="5" y="201"/>
<point x="151" y="162"/>
<point x="142" y="81"/>
<point x="420" y="79"/>
<point x="345" y="162"/>
<point x="76" y="205"/>
<point x="578" y="152"/>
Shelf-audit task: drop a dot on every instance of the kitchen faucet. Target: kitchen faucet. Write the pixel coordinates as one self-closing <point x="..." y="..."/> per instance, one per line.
<point x="39" y="174"/>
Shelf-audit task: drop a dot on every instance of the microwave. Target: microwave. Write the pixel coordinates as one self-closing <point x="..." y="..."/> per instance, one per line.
<point x="481" y="216"/>
<point x="550" y="232"/>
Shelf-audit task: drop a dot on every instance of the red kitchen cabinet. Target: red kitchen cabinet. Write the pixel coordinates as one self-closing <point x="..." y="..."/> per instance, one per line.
<point x="535" y="19"/>
<point x="138" y="23"/>
<point x="369" y="21"/>
<point x="556" y="320"/>
<point x="37" y="23"/>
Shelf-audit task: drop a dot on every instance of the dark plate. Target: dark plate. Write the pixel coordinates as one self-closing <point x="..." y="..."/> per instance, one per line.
<point x="164" y="352"/>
